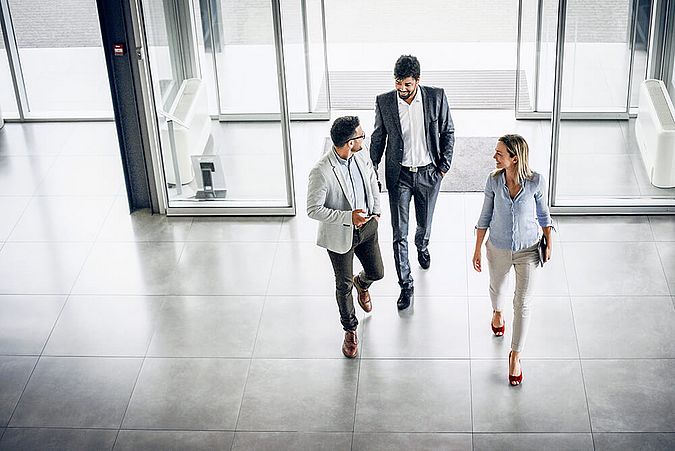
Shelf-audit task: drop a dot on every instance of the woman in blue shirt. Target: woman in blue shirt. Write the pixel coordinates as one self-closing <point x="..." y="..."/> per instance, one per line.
<point x="514" y="208"/>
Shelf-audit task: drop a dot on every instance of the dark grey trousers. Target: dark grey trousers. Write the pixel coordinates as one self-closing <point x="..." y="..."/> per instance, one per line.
<point x="367" y="249"/>
<point x="422" y="186"/>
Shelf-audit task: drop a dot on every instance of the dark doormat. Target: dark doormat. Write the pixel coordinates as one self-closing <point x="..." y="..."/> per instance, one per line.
<point x="471" y="163"/>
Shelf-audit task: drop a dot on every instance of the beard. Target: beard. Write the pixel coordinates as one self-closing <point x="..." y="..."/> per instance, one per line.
<point x="405" y="95"/>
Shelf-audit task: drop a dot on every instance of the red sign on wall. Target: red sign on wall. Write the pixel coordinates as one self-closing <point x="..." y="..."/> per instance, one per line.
<point x="118" y="49"/>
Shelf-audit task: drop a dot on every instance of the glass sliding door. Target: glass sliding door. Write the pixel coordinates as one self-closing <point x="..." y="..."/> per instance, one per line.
<point x="605" y="56"/>
<point x="537" y="21"/>
<point x="62" y="68"/>
<point x="241" y="68"/>
<point x="597" y="164"/>
<point x="212" y="167"/>
<point x="305" y="52"/>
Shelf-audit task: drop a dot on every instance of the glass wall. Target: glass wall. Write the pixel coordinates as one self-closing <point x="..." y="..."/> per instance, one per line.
<point x="605" y="50"/>
<point x="213" y="167"/>
<point x="536" y="55"/>
<point x="238" y="38"/>
<point x="61" y="59"/>
<point x="599" y="162"/>
<point x="468" y="48"/>
<point x="597" y="55"/>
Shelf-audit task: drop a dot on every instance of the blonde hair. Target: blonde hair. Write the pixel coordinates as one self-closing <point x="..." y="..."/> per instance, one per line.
<point x="517" y="147"/>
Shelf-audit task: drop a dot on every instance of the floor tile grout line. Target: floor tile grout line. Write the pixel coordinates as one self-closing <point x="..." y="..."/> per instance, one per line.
<point x="665" y="274"/>
<point x="117" y="436"/>
<point x="576" y="339"/>
<point x="140" y="370"/>
<point x="581" y="368"/>
<point x="468" y="321"/>
<point x="131" y="395"/>
<point x="23" y="212"/>
<point x="37" y="360"/>
<point x="356" y="398"/>
<point x="470" y="361"/>
<point x="107" y="217"/>
<point x="262" y="310"/>
<point x="255" y="341"/>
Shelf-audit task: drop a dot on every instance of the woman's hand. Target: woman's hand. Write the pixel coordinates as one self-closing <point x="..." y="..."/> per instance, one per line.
<point x="549" y="248"/>
<point x="476" y="260"/>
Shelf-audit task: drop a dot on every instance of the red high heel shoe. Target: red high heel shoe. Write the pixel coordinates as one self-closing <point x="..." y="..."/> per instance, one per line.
<point x="498" y="331"/>
<point x="517" y="379"/>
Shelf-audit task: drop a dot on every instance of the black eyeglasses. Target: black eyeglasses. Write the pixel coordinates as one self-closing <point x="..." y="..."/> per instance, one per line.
<point x="357" y="137"/>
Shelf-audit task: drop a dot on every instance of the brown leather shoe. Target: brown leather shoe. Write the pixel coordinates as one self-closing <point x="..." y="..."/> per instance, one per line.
<point x="350" y="347"/>
<point x="364" y="296"/>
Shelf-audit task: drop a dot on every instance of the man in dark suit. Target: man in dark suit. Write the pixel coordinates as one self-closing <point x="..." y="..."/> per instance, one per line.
<point x="413" y="122"/>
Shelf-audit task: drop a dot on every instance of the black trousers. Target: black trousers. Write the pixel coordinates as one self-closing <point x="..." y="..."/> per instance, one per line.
<point x="422" y="186"/>
<point x="367" y="249"/>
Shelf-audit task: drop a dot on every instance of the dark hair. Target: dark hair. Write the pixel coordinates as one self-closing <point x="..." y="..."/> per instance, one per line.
<point x="407" y="66"/>
<point x="343" y="129"/>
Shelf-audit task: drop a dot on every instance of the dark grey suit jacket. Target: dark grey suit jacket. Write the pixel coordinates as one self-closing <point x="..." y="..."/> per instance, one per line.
<point x="440" y="132"/>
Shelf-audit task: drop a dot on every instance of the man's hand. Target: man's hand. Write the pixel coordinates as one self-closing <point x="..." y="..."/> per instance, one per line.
<point x="359" y="218"/>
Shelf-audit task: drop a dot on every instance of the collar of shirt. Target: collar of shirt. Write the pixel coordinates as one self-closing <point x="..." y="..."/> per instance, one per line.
<point x="523" y="185"/>
<point x="341" y="160"/>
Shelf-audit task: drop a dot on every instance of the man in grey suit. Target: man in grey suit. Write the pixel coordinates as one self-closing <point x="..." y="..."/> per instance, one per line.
<point x="413" y="122"/>
<point x="343" y="196"/>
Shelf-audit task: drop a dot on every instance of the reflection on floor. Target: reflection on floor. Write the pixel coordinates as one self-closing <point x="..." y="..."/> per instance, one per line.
<point x="137" y="331"/>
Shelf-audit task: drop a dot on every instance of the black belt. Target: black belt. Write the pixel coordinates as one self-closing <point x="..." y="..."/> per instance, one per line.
<point x="417" y="168"/>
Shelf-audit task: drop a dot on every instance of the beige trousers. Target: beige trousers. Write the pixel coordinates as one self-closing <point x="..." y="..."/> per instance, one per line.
<point x="524" y="263"/>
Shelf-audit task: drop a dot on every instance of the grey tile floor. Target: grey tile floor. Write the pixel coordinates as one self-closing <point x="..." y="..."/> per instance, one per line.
<point x="147" y="332"/>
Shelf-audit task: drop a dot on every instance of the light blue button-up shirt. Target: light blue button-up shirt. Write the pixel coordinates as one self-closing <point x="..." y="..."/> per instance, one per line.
<point x="514" y="223"/>
<point x="355" y="183"/>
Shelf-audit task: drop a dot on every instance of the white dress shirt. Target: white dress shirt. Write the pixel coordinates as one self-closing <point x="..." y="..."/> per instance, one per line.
<point x="415" y="152"/>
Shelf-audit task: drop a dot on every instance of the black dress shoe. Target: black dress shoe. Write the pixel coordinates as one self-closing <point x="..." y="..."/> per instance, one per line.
<point x="405" y="299"/>
<point x="424" y="258"/>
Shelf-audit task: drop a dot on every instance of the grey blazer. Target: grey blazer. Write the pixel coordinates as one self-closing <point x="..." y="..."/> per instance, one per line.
<point x="440" y="132"/>
<point x="328" y="203"/>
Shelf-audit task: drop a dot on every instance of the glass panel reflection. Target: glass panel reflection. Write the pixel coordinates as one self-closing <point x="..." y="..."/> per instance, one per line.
<point x="208" y="163"/>
<point x="597" y="56"/>
<point x="599" y="161"/>
<point x="62" y="58"/>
